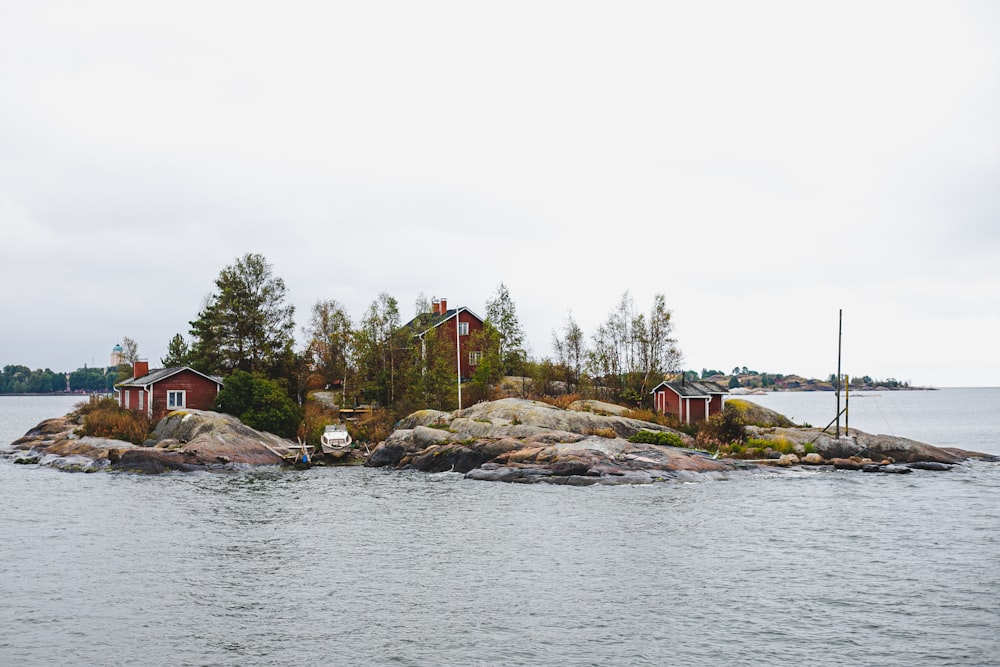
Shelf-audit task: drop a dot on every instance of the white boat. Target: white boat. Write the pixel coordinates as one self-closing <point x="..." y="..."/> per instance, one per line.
<point x="335" y="437"/>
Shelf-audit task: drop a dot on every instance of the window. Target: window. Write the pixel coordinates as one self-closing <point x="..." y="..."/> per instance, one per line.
<point x="463" y="328"/>
<point x="475" y="357"/>
<point x="141" y="394"/>
<point x="175" y="399"/>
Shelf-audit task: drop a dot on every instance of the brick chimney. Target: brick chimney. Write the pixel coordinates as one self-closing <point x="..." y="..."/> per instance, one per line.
<point x="140" y="367"/>
<point x="443" y="305"/>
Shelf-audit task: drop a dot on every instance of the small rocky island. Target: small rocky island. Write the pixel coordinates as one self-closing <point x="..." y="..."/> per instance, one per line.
<point x="510" y="440"/>
<point x="185" y="440"/>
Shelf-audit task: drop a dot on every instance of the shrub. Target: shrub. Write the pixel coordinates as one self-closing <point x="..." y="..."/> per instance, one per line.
<point x="106" y="419"/>
<point x="725" y="428"/>
<point x="314" y="420"/>
<point x="563" y="402"/>
<point x="643" y="414"/>
<point x="375" y="429"/>
<point x="260" y="404"/>
<point x="665" y="438"/>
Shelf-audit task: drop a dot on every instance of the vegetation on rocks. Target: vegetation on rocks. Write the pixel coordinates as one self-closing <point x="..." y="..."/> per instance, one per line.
<point x="260" y="404"/>
<point x="106" y="419"/>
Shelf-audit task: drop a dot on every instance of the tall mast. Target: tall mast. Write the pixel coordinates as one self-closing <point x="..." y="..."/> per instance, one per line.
<point x="840" y="335"/>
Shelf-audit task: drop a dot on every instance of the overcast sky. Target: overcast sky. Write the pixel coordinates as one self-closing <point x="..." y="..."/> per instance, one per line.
<point x="761" y="164"/>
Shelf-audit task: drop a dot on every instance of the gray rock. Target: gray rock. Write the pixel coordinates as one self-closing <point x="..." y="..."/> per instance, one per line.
<point x="521" y="441"/>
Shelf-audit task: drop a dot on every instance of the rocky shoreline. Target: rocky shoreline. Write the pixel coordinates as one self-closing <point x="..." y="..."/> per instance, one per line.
<point x="510" y="440"/>
<point x="185" y="441"/>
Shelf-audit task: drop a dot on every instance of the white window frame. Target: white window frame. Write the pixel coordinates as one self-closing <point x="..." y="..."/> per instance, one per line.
<point x="463" y="328"/>
<point x="475" y="356"/>
<point x="128" y="393"/>
<point x="171" y="393"/>
<point x="141" y="395"/>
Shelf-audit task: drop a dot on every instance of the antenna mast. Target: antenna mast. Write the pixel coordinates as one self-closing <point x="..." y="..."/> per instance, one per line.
<point x="840" y="335"/>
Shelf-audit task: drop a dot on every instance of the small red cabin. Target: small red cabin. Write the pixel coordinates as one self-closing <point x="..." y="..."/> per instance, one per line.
<point x="167" y="389"/>
<point x="446" y="321"/>
<point x="688" y="401"/>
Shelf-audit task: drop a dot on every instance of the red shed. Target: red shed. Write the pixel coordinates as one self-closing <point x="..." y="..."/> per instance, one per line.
<point x="164" y="390"/>
<point x="447" y="320"/>
<point x="688" y="401"/>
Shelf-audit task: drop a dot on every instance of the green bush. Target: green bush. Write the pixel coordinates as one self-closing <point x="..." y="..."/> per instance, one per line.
<point x="664" y="438"/>
<point x="259" y="403"/>
<point x="782" y="445"/>
<point x="724" y="428"/>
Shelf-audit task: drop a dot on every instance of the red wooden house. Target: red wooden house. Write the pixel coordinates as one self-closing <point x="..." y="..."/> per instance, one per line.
<point x="688" y="401"/>
<point x="166" y="389"/>
<point x="446" y="321"/>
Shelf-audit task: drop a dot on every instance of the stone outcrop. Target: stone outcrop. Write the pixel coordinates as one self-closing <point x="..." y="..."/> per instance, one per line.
<point x="861" y="444"/>
<point x="757" y="415"/>
<point x="184" y="440"/>
<point x="516" y="440"/>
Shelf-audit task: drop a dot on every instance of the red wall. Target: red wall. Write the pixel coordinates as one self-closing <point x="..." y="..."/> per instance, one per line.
<point x="200" y="395"/>
<point x="448" y="331"/>
<point x="668" y="402"/>
<point x="201" y="392"/>
<point x="697" y="408"/>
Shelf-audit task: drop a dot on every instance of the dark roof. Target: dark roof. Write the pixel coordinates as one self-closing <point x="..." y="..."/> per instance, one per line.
<point x="691" y="389"/>
<point x="421" y="324"/>
<point x="159" y="374"/>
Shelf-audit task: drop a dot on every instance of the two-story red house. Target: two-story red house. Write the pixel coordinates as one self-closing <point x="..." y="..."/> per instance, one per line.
<point x="164" y="390"/>
<point x="456" y="325"/>
<point x="688" y="401"/>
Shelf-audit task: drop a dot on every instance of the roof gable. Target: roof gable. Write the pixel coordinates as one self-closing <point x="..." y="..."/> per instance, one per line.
<point x="692" y="389"/>
<point x="161" y="374"/>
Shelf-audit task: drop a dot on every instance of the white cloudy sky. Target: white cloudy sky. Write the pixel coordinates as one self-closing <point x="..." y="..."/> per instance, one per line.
<point x="761" y="164"/>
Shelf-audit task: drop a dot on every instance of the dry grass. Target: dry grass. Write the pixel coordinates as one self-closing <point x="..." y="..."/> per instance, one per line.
<point x="106" y="419"/>
<point x="315" y="417"/>
<point x="561" y="402"/>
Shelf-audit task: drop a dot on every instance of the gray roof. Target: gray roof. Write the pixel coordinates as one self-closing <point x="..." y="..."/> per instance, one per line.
<point x="158" y="374"/>
<point x="692" y="389"/>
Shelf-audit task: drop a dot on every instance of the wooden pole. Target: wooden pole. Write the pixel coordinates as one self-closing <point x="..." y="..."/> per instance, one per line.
<point x="847" y="403"/>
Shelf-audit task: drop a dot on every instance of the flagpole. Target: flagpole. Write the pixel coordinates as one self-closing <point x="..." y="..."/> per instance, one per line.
<point x="458" y="357"/>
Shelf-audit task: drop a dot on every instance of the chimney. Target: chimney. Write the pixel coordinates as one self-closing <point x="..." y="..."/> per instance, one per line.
<point x="443" y="305"/>
<point x="140" y="368"/>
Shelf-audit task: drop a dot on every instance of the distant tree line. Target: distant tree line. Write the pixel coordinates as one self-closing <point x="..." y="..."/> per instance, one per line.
<point x="18" y="379"/>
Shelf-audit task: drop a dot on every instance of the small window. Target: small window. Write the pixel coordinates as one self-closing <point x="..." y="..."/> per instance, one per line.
<point x="175" y="399"/>
<point x="463" y="328"/>
<point x="475" y="357"/>
<point x="141" y="394"/>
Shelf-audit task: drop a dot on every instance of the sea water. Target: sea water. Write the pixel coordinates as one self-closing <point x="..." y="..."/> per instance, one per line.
<point x="346" y="566"/>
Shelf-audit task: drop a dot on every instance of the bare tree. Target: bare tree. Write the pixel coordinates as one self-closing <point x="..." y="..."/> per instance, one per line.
<point x="571" y="351"/>
<point x="631" y="349"/>
<point x="330" y="346"/>
<point x="130" y="351"/>
<point x="501" y="313"/>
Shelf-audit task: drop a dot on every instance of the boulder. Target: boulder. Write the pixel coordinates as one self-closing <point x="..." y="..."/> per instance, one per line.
<point x="889" y="468"/>
<point x="928" y="465"/>
<point x="845" y="464"/>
